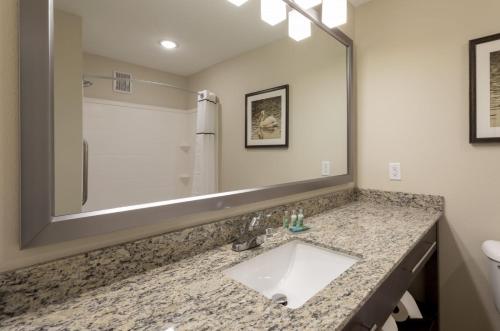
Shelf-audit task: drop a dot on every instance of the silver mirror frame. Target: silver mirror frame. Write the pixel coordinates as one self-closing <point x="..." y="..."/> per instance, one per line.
<point x="39" y="226"/>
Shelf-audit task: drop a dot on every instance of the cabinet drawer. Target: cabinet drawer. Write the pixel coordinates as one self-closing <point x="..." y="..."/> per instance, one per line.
<point x="382" y="302"/>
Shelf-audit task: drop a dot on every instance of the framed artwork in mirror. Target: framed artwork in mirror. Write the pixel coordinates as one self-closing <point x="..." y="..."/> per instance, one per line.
<point x="266" y="118"/>
<point x="485" y="89"/>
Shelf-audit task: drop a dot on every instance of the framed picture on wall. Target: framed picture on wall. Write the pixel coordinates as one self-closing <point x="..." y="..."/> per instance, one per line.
<point x="485" y="89"/>
<point x="266" y="118"/>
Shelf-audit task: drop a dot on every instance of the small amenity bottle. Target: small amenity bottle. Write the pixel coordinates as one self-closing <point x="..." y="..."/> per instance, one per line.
<point x="286" y="220"/>
<point x="300" y="218"/>
<point x="294" y="218"/>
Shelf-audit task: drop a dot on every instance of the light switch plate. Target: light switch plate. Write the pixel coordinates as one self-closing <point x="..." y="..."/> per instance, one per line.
<point x="395" y="171"/>
<point x="326" y="168"/>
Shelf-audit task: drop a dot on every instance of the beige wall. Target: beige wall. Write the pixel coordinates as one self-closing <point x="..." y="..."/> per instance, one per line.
<point x="144" y="94"/>
<point x="10" y="255"/>
<point x="315" y="69"/>
<point x="412" y="79"/>
<point x="68" y="66"/>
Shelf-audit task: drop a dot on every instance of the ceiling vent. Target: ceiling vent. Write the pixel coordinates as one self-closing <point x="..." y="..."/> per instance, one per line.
<point x="122" y="82"/>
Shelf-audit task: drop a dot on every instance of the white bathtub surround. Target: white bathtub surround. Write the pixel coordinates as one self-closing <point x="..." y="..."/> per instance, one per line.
<point x="135" y="153"/>
<point x="205" y="175"/>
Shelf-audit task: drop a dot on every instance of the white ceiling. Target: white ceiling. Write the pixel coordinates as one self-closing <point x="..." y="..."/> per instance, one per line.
<point x="358" y="2"/>
<point x="207" y="31"/>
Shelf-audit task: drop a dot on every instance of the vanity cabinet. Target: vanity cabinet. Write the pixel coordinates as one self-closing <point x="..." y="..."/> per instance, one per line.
<point x="420" y="263"/>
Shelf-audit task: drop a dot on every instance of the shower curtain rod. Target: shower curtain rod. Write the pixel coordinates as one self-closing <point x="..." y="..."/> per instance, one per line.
<point x="86" y="77"/>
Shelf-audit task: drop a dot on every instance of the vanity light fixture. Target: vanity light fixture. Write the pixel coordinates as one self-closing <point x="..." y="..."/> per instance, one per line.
<point x="272" y="11"/>
<point x="237" y="2"/>
<point x="168" y="44"/>
<point x="308" y="4"/>
<point x="299" y="27"/>
<point x="334" y="13"/>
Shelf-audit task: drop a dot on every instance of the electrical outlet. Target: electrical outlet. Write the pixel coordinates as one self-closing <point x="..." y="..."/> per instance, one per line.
<point x="395" y="171"/>
<point x="326" y="168"/>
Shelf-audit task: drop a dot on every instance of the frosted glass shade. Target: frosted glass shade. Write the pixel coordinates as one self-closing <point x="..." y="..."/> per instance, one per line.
<point x="299" y="27"/>
<point x="307" y="4"/>
<point x="272" y="11"/>
<point x="334" y="13"/>
<point x="237" y="2"/>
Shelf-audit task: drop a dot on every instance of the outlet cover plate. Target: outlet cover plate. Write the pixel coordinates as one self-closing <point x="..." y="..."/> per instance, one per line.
<point x="326" y="168"/>
<point x="395" y="171"/>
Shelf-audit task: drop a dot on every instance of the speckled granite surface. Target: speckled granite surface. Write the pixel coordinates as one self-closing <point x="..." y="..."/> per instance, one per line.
<point x="429" y="202"/>
<point x="194" y="294"/>
<point x="30" y="288"/>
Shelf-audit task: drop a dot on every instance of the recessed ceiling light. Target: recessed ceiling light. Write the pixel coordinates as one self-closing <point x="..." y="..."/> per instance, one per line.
<point x="168" y="44"/>
<point x="237" y="2"/>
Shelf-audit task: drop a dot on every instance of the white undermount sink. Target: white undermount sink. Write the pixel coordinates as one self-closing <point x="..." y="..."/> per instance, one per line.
<point x="297" y="270"/>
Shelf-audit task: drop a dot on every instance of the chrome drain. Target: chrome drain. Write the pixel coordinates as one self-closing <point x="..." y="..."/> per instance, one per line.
<point x="280" y="299"/>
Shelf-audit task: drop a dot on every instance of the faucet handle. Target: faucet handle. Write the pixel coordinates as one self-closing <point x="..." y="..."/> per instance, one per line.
<point x="256" y="220"/>
<point x="254" y="223"/>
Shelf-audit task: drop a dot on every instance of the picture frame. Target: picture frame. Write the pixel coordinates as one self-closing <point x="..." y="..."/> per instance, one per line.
<point x="484" y="110"/>
<point x="266" y="118"/>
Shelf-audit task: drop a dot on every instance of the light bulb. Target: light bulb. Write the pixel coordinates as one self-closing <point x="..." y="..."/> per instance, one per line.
<point x="272" y="11"/>
<point x="334" y="13"/>
<point x="299" y="27"/>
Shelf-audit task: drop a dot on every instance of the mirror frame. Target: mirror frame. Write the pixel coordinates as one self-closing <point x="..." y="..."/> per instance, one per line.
<point x="39" y="226"/>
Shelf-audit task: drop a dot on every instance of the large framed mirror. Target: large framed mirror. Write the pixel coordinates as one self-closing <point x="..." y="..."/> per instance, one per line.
<point x="134" y="114"/>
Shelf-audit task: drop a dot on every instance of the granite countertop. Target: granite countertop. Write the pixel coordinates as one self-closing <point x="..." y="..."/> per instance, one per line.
<point x="194" y="294"/>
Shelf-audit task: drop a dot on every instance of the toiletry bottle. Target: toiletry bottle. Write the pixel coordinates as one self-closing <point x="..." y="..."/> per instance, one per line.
<point x="286" y="220"/>
<point x="294" y="218"/>
<point x="300" y="218"/>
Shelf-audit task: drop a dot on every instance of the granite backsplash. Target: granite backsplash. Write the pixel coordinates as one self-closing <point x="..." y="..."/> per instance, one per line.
<point x="401" y="199"/>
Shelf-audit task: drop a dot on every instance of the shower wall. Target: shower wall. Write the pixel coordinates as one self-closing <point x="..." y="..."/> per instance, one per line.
<point x="137" y="153"/>
<point x="156" y="165"/>
<point x="141" y="145"/>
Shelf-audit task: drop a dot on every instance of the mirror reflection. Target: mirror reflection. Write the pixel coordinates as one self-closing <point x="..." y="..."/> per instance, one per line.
<point x="160" y="100"/>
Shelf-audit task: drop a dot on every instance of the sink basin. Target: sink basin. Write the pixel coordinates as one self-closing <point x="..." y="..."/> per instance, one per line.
<point x="297" y="270"/>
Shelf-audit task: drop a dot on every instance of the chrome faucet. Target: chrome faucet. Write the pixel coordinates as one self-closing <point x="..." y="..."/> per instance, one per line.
<point x="251" y="238"/>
